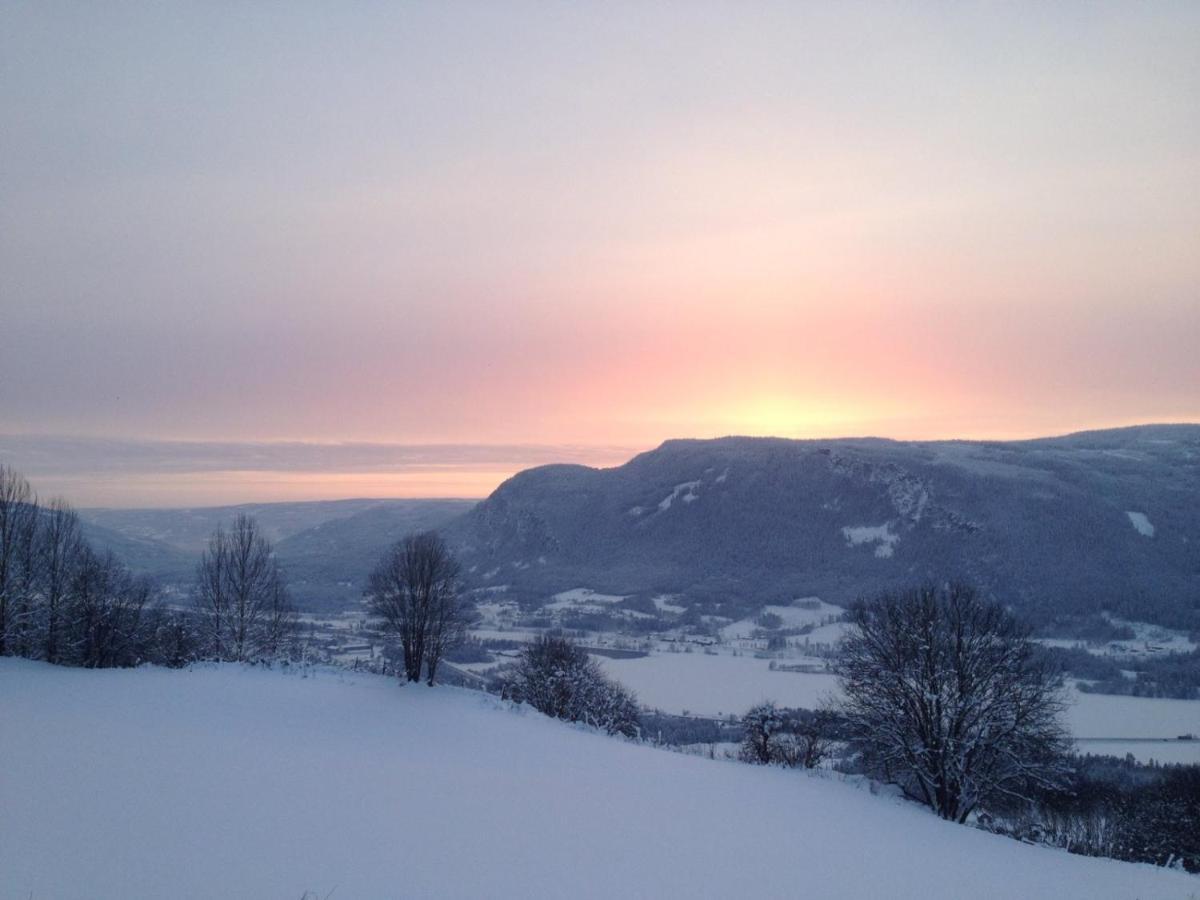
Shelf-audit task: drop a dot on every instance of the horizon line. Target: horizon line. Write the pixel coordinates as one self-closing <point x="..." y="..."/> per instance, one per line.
<point x="153" y="473"/>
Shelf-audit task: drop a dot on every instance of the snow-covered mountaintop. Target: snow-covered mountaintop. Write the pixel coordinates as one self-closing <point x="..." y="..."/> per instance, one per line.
<point x="248" y="783"/>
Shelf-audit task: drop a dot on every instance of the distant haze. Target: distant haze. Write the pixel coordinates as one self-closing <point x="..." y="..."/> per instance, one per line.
<point x="584" y="226"/>
<point x="142" y="473"/>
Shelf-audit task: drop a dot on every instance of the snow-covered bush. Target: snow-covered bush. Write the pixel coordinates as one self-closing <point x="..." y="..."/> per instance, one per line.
<point x="558" y="678"/>
<point x="774" y="736"/>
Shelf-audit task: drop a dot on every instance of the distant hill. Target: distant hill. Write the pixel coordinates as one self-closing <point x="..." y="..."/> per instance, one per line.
<point x="144" y="555"/>
<point x="327" y="564"/>
<point x="1058" y="528"/>
<point x="326" y="547"/>
<point x="189" y="529"/>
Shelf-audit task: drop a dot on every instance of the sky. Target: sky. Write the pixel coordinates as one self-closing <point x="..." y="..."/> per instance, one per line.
<point x="525" y="232"/>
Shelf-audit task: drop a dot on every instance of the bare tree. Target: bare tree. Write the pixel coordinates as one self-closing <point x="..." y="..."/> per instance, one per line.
<point x="18" y="523"/>
<point x="414" y="592"/>
<point x="59" y="549"/>
<point x="240" y="596"/>
<point x="813" y="738"/>
<point x="173" y="639"/>
<point x="257" y="597"/>
<point x="279" y="626"/>
<point x="760" y="726"/>
<point x="105" y="622"/>
<point x="25" y="609"/>
<point x="59" y="600"/>
<point x="447" y="624"/>
<point x="210" y="596"/>
<point x="946" y="697"/>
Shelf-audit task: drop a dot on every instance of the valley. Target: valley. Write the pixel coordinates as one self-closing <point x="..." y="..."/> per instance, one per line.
<point x="742" y="664"/>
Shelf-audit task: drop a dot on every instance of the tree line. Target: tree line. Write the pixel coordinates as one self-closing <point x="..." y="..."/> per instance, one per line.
<point x="1113" y="808"/>
<point x="64" y="602"/>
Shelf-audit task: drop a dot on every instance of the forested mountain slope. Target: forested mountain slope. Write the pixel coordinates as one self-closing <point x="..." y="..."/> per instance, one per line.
<point x="1106" y="520"/>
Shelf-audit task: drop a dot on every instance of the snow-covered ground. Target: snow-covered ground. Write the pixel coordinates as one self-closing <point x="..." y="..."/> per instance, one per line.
<point x="1141" y="523"/>
<point x="505" y="634"/>
<point x="882" y="536"/>
<point x="582" y="599"/>
<point x="237" y="783"/>
<point x="665" y="603"/>
<point x="1148" y="641"/>
<point x="812" y="611"/>
<point x="685" y="492"/>
<point x="825" y="634"/>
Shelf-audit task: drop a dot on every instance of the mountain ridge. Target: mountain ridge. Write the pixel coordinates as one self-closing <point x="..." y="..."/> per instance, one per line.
<point x="766" y="519"/>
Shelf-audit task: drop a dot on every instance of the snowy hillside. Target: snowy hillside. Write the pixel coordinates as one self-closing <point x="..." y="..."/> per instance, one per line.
<point x="247" y="783"/>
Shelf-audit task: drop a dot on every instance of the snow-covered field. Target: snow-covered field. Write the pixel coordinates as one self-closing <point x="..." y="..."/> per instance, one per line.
<point x="813" y="612"/>
<point x="583" y="600"/>
<point x="1148" y="641"/>
<point x="239" y="783"/>
<point x="506" y="634"/>
<point x="715" y="685"/>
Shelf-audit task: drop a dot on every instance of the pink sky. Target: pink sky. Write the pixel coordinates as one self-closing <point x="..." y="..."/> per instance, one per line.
<point x="595" y="225"/>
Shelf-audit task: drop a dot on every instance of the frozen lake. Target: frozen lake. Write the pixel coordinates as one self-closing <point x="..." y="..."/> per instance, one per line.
<point x="715" y="685"/>
<point x="1093" y="716"/>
